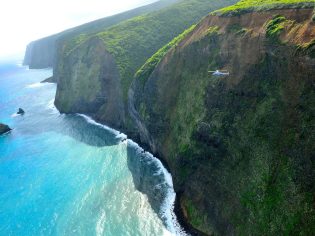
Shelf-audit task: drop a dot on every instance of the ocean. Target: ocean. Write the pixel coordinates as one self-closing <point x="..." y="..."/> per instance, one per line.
<point x="68" y="175"/>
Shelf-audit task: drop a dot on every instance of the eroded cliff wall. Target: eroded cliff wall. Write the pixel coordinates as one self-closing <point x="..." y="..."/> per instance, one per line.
<point x="240" y="147"/>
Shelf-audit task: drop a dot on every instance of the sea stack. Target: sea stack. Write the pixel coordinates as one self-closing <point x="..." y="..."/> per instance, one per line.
<point x="21" y="111"/>
<point x="4" y="129"/>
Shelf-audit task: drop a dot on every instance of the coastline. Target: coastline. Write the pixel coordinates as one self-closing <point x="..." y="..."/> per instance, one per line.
<point x="177" y="210"/>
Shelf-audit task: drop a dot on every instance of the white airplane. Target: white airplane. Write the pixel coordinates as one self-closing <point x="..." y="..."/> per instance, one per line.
<point x="219" y="73"/>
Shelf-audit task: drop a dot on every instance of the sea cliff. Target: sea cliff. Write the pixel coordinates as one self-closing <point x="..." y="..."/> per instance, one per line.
<point x="240" y="147"/>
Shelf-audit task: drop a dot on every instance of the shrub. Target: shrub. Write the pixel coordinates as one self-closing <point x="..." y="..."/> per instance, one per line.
<point x="274" y="27"/>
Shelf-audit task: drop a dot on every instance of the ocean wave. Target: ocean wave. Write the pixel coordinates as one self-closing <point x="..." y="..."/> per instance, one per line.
<point x="118" y="134"/>
<point x="167" y="206"/>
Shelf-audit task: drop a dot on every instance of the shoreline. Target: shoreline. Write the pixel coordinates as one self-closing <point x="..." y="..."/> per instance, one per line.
<point x="181" y="219"/>
<point x="179" y="223"/>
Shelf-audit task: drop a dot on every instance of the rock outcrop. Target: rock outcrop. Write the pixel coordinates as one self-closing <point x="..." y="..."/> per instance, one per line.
<point x="20" y="111"/>
<point x="50" y="80"/>
<point x="4" y="129"/>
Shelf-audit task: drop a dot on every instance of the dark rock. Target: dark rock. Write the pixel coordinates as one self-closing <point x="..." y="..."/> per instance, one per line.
<point x="21" y="111"/>
<point x="4" y="129"/>
<point x="49" y="80"/>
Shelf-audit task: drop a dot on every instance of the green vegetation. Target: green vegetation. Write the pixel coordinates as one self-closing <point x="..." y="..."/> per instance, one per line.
<point x="274" y="27"/>
<point x="245" y="6"/>
<point x="212" y="30"/>
<point x="194" y="216"/>
<point x="237" y="29"/>
<point x="309" y="45"/>
<point x="145" y="71"/>
<point x="307" y="48"/>
<point x="134" y="41"/>
<point x="73" y="43"/>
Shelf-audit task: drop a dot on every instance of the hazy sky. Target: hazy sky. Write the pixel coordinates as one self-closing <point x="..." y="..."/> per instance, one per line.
<point x="22" y="21"/>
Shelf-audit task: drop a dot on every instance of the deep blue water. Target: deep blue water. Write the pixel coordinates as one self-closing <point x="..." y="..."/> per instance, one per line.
<point x="65" y="175"/>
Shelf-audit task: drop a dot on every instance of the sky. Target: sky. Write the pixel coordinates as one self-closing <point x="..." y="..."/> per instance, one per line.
<point x="22" y="21"/>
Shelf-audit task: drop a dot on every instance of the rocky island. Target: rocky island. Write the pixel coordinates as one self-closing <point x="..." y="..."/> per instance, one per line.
<point x="240" y="147"/>
<point x="4" y="129"/>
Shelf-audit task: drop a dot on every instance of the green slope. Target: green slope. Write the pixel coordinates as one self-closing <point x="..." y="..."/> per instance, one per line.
<point x="133" y="41"/>
<point x="41" y="53"/>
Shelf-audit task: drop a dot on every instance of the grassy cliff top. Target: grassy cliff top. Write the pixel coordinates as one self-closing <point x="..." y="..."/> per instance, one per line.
<point x="134" y="41"/>
<point x="245" y="6"/>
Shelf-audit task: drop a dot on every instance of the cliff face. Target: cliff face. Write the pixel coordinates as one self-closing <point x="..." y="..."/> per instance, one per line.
<point x="93" y="81"/>
<point x="240" y="147"/>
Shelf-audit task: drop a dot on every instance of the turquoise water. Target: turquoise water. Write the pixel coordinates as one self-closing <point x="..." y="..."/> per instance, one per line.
<point x="67" y="175"/>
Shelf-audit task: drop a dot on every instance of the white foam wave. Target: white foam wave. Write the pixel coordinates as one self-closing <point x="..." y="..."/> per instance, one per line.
<point x="113" y="131"/>
<point x="15" y="115"/>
